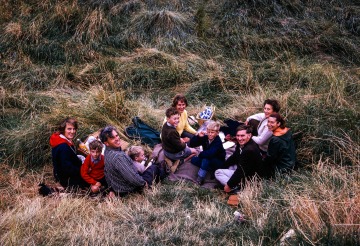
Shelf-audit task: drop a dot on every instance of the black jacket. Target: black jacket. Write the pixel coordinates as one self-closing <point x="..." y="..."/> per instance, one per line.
<point x="248" y="161"/>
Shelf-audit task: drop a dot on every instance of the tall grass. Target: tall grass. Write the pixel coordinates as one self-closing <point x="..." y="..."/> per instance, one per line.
<point x="105" y="62"/>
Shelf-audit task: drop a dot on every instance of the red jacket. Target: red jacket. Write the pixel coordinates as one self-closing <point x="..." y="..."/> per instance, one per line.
<point x="91" y="172"/>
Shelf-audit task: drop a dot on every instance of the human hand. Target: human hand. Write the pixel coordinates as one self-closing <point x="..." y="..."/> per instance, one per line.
<point x="227" y="188"/>
<point x="246" y="122"/>
<point x="95" y="188"/>
<point x="201" y="134"/>
<point x="185" y="140"/>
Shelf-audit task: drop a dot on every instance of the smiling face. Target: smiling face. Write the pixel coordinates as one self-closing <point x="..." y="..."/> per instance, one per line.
<point x="273" y="124"/>
<point x="242" y="137"/>
<point x="114" y="141"/>
<point x="212" y="134"/>
<point x="180" y="106"/>
<point x="69" y="131"/>
<point x="268" y="110"/>
<point x="174" y="120"/>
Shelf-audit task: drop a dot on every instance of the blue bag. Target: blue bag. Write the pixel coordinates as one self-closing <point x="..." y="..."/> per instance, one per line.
<point x="141" y="131"/>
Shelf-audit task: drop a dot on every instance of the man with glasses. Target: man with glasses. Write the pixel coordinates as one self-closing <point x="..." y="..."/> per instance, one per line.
<point x="120" y="172"/>
<point x="245" y="162"/>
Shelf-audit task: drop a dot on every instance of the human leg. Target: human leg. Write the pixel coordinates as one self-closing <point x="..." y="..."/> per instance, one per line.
<point x="223" y="175"/>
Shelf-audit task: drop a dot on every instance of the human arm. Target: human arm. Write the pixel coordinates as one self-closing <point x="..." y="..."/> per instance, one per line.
<point x="264" y="134"/>
<point x="184" y="122"/>
<point x="84" y="171"/>
<point x="259" y="117"/>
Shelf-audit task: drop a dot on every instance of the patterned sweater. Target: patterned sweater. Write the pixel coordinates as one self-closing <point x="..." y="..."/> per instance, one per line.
<point x="120" y="172"/>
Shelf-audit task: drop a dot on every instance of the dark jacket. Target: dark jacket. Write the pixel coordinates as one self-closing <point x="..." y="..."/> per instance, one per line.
<point x="211" y="150"/>
<point x="281" y="155"/>
<point x="170" y="139"/>
<point x="248" y="161"/>
<point x="65" y="162"/>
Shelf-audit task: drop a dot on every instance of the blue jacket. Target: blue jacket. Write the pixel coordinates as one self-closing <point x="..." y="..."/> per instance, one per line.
<point x="211" y="150"/>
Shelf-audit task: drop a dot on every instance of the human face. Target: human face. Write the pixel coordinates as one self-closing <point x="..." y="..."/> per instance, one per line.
<point x="212" y="134"/>
<point x="115" y="141"/>
<point x="242" y="137"/>
<point x="95" y="153"/>
<point x="273" y="124"/>
<point x="70" y="131"/>
<point x="140" y="157"/>
<point x="174" y="120"/>
<point x="268" y="110"/>
<point x="180" y="106"/>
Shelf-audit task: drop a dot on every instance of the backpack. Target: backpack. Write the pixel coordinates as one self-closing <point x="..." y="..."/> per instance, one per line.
<point x="141" y="131"/>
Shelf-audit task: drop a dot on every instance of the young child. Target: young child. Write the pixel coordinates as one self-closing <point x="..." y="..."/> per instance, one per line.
<point x="174" y="146"/>
<point x="92" y="170"/>
<point x="213" y="155"/>
<point x="137" y="154"/>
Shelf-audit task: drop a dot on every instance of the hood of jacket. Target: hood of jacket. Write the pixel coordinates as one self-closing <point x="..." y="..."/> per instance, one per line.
<point x="57" y="139"/>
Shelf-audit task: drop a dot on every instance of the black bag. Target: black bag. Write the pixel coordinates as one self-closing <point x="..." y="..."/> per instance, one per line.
<point x="139" y="130"/>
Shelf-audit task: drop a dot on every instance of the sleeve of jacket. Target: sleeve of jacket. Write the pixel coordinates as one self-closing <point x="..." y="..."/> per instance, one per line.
<point x="259" y="117"/>
<point x="263" y="137"/>
<point x="84" y="170"/>
<point x="273" y="153"/>
<point x="187" y="126"/>
<point x="195" y="141"/>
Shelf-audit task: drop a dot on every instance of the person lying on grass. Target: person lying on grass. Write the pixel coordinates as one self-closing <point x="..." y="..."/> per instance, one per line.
<point x="244" y="163"/>
<point x="213" y="155"/>
<point x="92" y="170"/>
<point x="120" y="172"/>
<point x="174" y="146"/>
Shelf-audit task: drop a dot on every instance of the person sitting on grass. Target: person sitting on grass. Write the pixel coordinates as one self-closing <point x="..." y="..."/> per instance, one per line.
<point x="121" y="175"/>
<point x="281" y="154"/>
<point x="137" y="154"/>
<point x="92" y="170"/>
<point x="247" y="158"/>
<point x="66" y="163"/>
<point x="174" y="146"/>
<point x="213" y="155"/>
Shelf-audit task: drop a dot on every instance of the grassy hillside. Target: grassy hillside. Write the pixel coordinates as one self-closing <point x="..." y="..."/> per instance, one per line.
<point x="105" y="62"/>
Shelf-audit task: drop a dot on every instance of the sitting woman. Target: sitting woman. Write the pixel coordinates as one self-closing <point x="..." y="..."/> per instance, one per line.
<point x="261" y="133"/>
<point x="281" y="156"/>
<point x="66" y="163"/>
<point x="183" y="128"/>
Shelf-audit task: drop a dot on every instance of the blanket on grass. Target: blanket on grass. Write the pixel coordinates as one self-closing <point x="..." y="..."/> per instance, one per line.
<point x="187" y="170"/>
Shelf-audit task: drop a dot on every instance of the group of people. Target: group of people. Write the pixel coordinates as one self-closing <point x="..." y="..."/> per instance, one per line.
<point x="264" y="146"/>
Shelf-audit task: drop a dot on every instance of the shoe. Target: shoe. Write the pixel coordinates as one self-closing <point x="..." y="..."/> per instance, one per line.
<point x="200" y="180"/>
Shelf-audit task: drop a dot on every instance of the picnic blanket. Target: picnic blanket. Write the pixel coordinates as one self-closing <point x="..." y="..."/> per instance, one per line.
<point x="187" y="170"/>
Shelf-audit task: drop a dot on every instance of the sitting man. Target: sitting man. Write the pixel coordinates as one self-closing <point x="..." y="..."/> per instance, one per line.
<point x="120" y="173"/>
<point x="247" y="158"/>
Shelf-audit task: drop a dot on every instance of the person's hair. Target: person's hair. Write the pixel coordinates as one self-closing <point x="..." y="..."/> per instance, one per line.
<point x="106" y="133"/>
<point x="96" y="145"/>
<point x="247" y="128"/>
<point x="171" y="111"/>
<point x="213" y="125"/>
<point x="179" y="98"/>
<point x="279" y="119"/>
<point x="134" y="151"/>
<point x="274" y="104"/>
<point x="68" y="120"/>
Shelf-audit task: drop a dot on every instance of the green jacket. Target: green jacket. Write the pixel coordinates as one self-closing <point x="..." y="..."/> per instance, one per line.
<point x="281" y="151"/>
